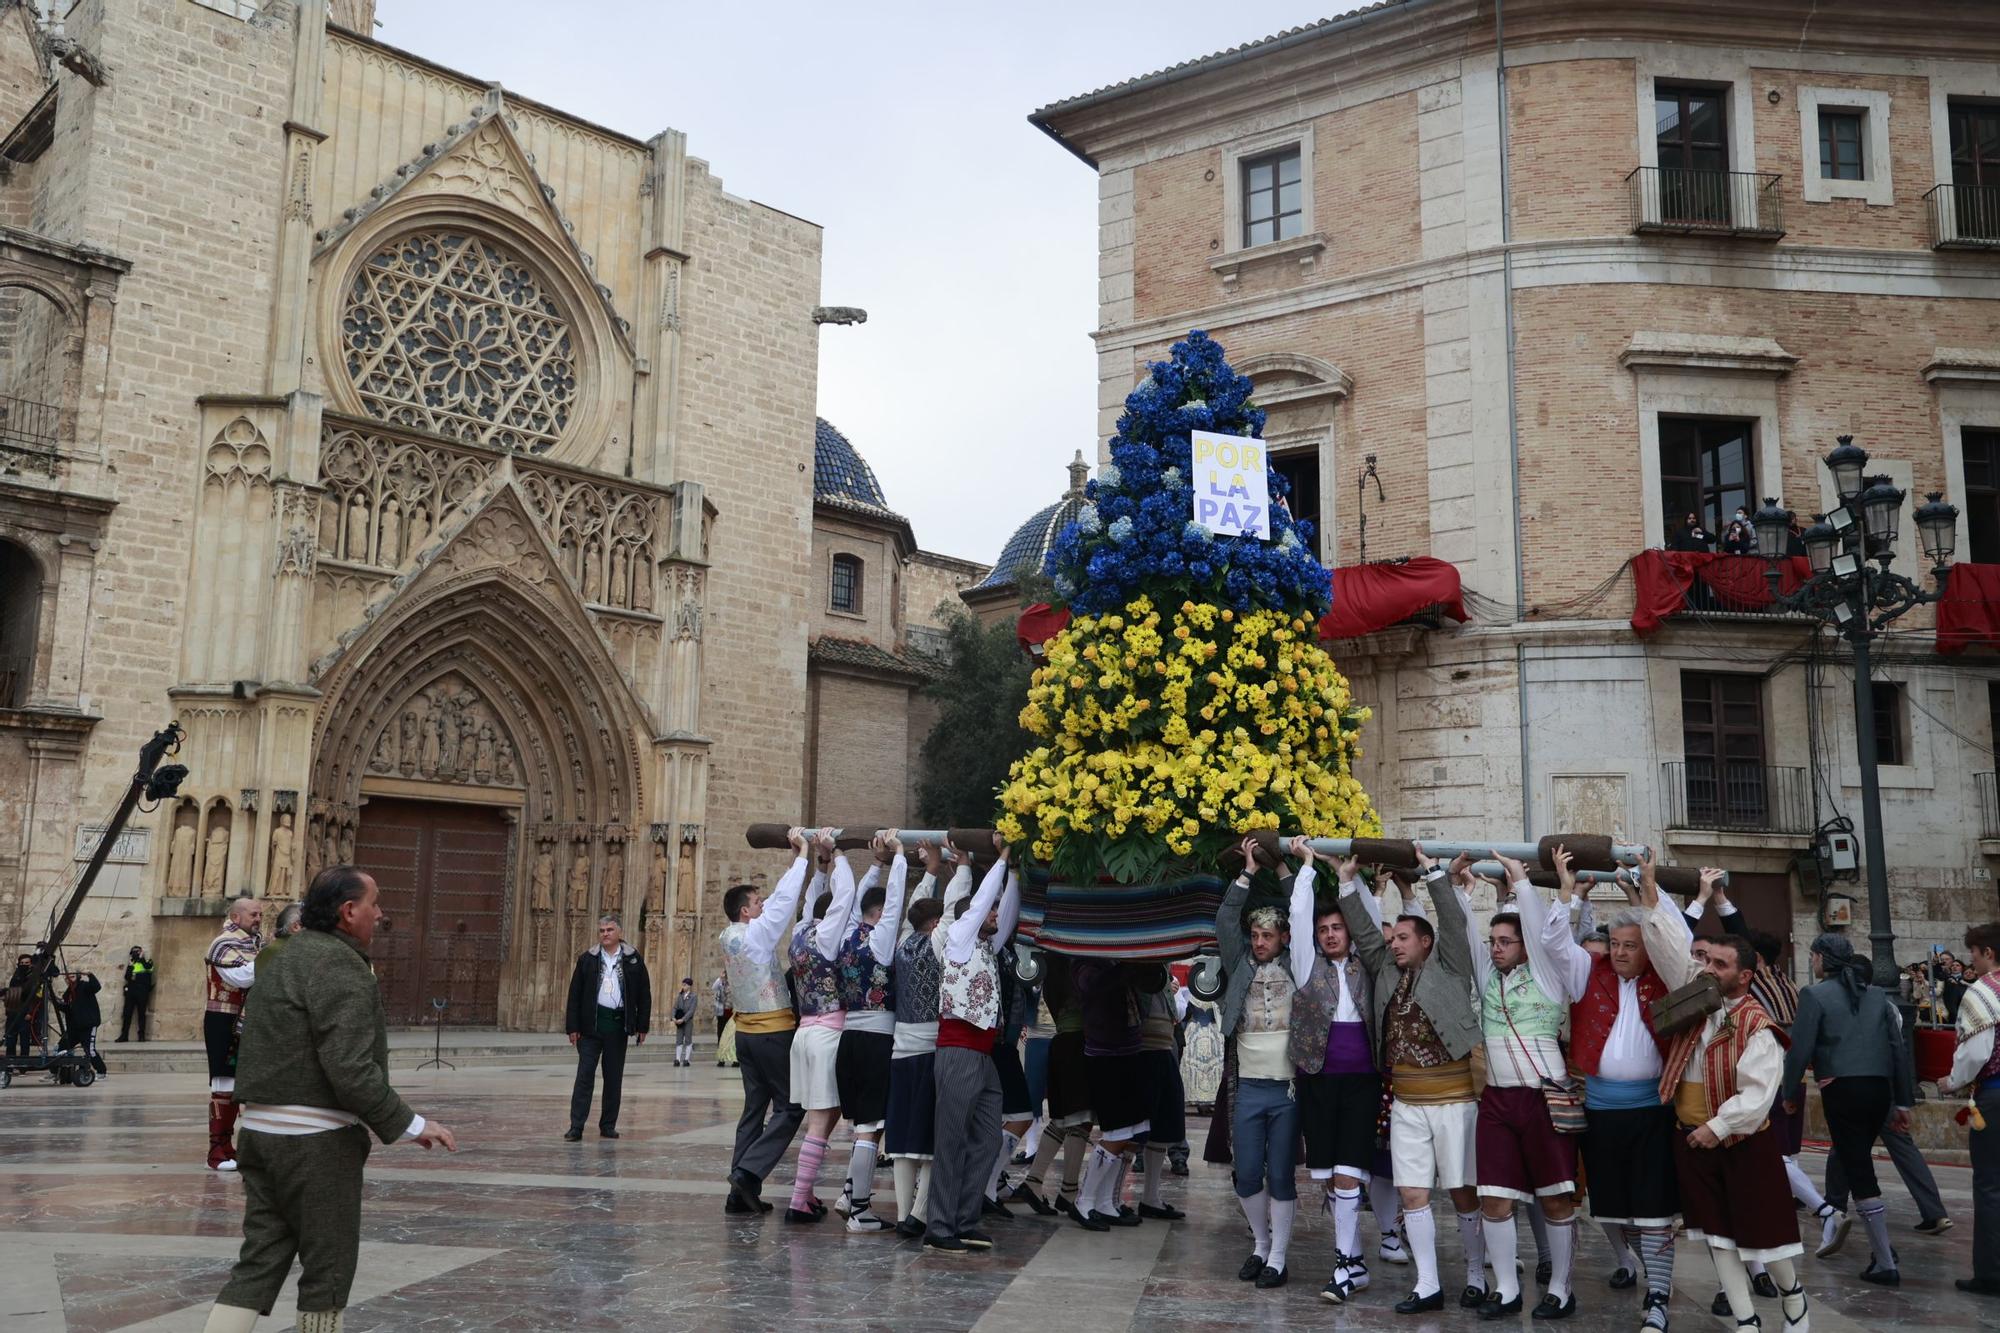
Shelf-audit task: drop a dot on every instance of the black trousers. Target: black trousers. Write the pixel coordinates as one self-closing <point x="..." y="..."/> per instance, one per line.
<point x="1855" y="1109"/>
<point x="134" y="1004"/>
<point x="1985" y="1144"/>
<point x="591" y="1047"/>
<point x="87" y="1039"/>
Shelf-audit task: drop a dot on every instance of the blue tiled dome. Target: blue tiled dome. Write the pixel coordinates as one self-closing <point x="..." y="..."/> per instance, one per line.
<point x="841" y="476"/>
<point x="1031" y="541"/>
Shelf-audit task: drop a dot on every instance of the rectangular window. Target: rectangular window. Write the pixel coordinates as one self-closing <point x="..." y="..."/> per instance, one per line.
<point x="1301" y="470"/>
<point x="1975" y="167"/>
<point x="1840" y="137"/>
<point x="1722" y="736"/>
<point x="1273" y="197"/>
<point x="1980" y="451"/>
<point x="1691" y="125"/>
<point x="846" y="593"/>
<point x="1706" y="469"/>
<point x="1892" y="725"/>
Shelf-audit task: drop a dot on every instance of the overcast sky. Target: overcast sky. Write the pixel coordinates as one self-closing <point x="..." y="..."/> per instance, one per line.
<point x="901" y="128"/>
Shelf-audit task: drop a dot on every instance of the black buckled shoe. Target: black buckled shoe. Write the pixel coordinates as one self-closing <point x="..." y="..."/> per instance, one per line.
<point x="1270" y="1277"/>
<point x="1091" y="1221"/>
<point x="1495" y="1308"/>
<point x="1762" y="1284"/>
<point x="1415" y="1304"/>
<point x="572" y="1136"/>
<point x="1880" y="1276"/>
<point x="1472" y="1297"/>
<point x="1624" y="1280"/>
<point x="1720" y="1305"/>
<point x="975" y="1240"/>
<point x="910" y="1228"/>
<point x="1024" y="1193"/>
<point x="994" y="1208"/>
<point x="802" y="1217"/>
<point x="1164" y="1212"/>
<point x="1250" y="1269"/>
<point x="1551" y="1308"/>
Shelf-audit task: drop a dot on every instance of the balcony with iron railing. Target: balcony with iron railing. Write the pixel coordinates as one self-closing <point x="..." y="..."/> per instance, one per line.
<point x="1989" y="807"/>
<point x="1964" y="217"/>
<point x="28" y="434"/>
<point x="1678" y="202"/>
<point x="1736" y="796"/>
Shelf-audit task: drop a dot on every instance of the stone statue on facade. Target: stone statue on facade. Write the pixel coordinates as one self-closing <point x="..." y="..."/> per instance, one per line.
<point x="180" y="862"/>
<point x="384" y="758"/>
<point x="357" y="531"/>
<point x="278" y="883"/>
<point x="503" y="762"/>
<point x="593" y="573"/>
<point x="410" y="745"/>
<point x="433" y="743"/>
<point x="542" y="882"/>
<point x="642" y="584"/>
<point x="392" y="533"/>
<point x="579" y="879"/>
<point x="215" y="862"/>
<point x="315" y="851"/>
<point x="482" y="756"/>
<point x="616" y="595"/>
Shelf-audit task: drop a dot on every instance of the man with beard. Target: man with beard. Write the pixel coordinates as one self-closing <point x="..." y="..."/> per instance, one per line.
<point x="231" y="968"/>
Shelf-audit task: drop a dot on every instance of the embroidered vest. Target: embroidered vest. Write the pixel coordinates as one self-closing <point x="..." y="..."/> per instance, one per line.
<point x="1745" y="1020"/>
<point x="1516" y="996"/>
<point x="918" y="972"/>
<point x="970" y="991"/>
<point x="1314" y="1007"/>
<point x="234" y="947"/>
<point x="1267" y="1005"/>
<point x="1978" y="1011"/>
<point x="817" y="979"/>
<point x="865" y="981"/>
<point x="1592" y="1018"/>
<point x="753" y="988"/>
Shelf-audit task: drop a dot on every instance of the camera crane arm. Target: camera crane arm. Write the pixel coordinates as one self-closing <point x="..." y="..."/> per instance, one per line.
<point x="153" y="781"/>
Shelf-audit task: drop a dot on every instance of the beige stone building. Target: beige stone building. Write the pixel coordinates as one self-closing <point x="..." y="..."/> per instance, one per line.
<point x="1638" y="259"/>
<point x="444" y="464"/>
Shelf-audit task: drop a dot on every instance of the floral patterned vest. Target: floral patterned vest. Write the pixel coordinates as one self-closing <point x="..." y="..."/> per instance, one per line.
<point x="1315" y="1004"/>
<point x="817" y="979"/>
<point x="753" y="987"/>
<point x="865" y="981"/>
<point x="969" y="992"/>
<point x="918" y="973"/>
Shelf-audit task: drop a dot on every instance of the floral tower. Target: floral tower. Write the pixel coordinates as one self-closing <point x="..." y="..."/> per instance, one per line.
<point x="1188" y="701"/>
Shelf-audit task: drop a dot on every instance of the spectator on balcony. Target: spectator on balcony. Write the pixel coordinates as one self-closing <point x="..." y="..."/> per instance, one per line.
<point x="1738" y="539"/>
<point x="1691" y="536"/>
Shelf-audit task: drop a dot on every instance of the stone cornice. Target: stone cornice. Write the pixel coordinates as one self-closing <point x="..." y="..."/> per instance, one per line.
<point x="1707" y="351"/>
<point x="1963" y="365"/>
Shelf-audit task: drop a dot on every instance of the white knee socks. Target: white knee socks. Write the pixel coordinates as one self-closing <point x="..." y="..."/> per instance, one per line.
<point x="905" y="1171"/>
<point x="1257" y="1211"/>
<point x="230" y="1319"/>
<point x="1008" y="1142"/>
<point x="1045" y="1156"/>
<point x="861" y="1173"/>
<point x="1735" y="1280"/>
<point x="1282" y="1213"/>
<point x="1031" y="1143"/>
<point x="1347" y="1222"/>
<point x="1876" y="1219"/>
<point x="920" y="1206"/>
<point x="1094" y="1195"/>
<point x="1388" y="1204"/>
<point x="1562" y="1257"/>
<point x="1075" y="1144"/>
<point x="1503" y="1244"/>
<point x="1802" y="1186"/>
<point x="1473" y="1237"/>
<point x="1156" y="1170"/>
<point x="1421" y="1236"/>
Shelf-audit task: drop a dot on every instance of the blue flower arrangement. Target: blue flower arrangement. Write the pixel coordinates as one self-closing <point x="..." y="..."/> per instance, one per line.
<point x="1137" y="537"/>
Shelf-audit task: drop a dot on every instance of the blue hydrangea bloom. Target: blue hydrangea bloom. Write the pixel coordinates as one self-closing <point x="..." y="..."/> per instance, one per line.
<point x="1147" y="543"/>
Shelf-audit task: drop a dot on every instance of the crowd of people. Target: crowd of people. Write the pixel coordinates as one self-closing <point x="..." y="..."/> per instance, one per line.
<point x="1522" y="1075"/>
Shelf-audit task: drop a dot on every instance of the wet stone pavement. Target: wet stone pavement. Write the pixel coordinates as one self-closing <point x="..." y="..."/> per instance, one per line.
<point x="109" y="1220"/>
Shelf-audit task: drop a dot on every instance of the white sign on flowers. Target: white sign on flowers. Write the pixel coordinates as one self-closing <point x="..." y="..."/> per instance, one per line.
<point x="1231" y="498"/>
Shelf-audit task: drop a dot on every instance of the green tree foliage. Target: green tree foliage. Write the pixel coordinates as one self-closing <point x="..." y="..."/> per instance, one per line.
<point x="978" y="734"/>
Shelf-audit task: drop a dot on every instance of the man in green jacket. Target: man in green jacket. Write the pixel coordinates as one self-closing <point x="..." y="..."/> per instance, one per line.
<point x="313" y="1079"/>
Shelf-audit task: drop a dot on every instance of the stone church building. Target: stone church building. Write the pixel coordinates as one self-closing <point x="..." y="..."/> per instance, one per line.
<point x="449" y="468"/>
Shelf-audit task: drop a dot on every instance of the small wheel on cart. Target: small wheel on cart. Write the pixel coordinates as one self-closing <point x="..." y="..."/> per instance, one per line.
<point x="84" y="1077"/>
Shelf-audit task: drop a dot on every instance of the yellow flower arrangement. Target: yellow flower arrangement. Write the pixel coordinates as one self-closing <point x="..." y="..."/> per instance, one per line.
<point x="1167" y="736"/>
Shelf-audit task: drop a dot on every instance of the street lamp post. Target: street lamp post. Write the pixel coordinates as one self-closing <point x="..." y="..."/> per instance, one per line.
<point x="1859" y="601"/>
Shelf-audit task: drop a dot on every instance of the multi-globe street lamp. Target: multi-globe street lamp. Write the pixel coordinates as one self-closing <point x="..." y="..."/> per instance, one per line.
<point x="1853" y="589"/>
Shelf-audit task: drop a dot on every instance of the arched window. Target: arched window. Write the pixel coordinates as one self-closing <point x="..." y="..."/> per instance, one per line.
<point x="455" y="334"/>
<point x="846" y="590"/>
<point x="20" y="602"/>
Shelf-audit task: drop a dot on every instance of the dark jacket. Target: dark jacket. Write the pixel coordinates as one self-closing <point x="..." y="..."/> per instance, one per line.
<point x="686" y="1006"/>
<point x="580" y="1015"/>
<point x="81" y="1002"/>
<point x="1841" y="1039"/>
<point x="313" y="1035"/>
<point x="139" y="979"/>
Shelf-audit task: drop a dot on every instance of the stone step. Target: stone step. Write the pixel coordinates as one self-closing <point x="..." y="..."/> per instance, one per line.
<point x="408" y="1048"/>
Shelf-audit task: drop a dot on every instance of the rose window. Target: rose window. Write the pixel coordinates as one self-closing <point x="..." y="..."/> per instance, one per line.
<point x="450" y="333"/>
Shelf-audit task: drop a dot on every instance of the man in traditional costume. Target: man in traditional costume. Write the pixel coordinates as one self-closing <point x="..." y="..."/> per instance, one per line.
<point x="908" y="1135"/>
<point x="1975" y="1074"/>
<point x="765" y="1027"/>
<point x="1722" y="1076"/>
<point x="1423" y="999"/>
<point x="231" y="968"/>
<point x="861" y="1066"/>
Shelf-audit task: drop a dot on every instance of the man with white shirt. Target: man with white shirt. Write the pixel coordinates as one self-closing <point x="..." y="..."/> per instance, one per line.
<point x="314" y="1084"/>
<point x="814" y="955"/>
<point x="909" y="1135"/>
<point x="1975" y="1074"/>
<point x="1722" y="1075"/>
<point x="1524" y="995"/>
<point x="231" y="968"/>
<point x="867" y="994"/>
<point x="1628" y="1144"/>
<point x="610" y="999"/>
<point x="968" y="1086"/>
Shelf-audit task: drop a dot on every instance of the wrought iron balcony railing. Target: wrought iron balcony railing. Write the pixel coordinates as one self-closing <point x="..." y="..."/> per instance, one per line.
<point x="27" y="436"/>
<point x="1964" y="217"/>
<point x="1736" y="796"/>
<point x="1680" y="202"/>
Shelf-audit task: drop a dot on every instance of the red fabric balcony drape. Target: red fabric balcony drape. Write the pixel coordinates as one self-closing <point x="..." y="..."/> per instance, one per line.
<point x="1969" y="615"/>
<point x="1662" y="580"/>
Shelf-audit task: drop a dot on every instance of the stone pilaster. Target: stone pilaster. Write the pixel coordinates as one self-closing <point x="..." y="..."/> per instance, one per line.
<point x="656" y="394"/>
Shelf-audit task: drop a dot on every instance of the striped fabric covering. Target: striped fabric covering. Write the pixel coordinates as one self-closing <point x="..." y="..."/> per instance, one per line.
<point x="1158" y="922"/>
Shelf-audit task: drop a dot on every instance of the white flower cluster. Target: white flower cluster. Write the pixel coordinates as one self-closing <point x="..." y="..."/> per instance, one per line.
<point x="1088" y="520"/>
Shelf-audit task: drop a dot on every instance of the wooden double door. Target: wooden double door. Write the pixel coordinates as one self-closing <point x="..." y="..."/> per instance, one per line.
<point x="442" y="870"/>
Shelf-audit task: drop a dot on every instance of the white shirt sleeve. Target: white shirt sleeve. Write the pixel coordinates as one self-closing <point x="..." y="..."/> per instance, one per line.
<point x="1010" y="908"/>
<point x="963" y="934"/>
<point x="882" y="940"/>
<point x="1303" y="945"/>
<point x="239" y="977"/>
<point x="840" y="913"/>
<point x="1668" y="940"/>
<point x="416" y="1128"/>
<point x="1966" y="1062"/>
<point x="872" y="878"/>
<point x="1561" y="967"/>
<point x="1757" y="1077"/>
<point x="761" y="936"/>
<point x="809" y="900"/>
<point x="959" y="886"/>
